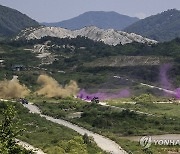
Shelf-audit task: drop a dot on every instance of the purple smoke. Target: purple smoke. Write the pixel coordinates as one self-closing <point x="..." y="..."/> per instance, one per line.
<point x="163" y="76"/>
<point x="126" y="93"/>
<point x="103" y="96"/>
<point x="165" y="81"/>
<point x="177" y="91"/>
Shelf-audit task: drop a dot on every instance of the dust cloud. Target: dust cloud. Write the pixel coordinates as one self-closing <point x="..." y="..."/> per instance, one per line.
<point x="51" y="88"/>
<point x="13" y="89"/>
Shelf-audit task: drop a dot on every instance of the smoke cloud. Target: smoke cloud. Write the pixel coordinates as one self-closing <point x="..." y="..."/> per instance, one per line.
<point x="165" y="82"/>
<point x="103" y="96"/>
<point x="177" y="91"/>
<point x="164" y="77"/>
<point x="51" y="88"/>
<point x="12" y="89"/>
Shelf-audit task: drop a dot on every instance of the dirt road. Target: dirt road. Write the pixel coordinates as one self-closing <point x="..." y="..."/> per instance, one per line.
<point x="103" y="142"/>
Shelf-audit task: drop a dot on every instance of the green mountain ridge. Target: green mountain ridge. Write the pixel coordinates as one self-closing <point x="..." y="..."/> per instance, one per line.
<point x="161" y="27"/>
<point x="13" y="21"/>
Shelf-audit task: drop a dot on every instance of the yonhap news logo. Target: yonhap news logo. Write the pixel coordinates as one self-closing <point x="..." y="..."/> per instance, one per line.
<point x="147" y="141"/>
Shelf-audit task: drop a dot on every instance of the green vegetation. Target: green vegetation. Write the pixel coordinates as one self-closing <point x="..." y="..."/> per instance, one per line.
<point x="8" y="133"/>
<point x="113" y="123"/>
<point x="161" y="27"/>
<point x="118" y="121"/>
<point x="126" y="122"/>
<point x="122" y="61"/>
<point x="18" y="56"/>
<point x="104" y="120"/>
<point x="48" y="136"/>
<point x="135" y="148"/>
<point x="75" y="145"/>
<point x="166" y="109"/>
<point x="60" y="108"/>
<point x="144" y="98"/>
<point x="93" y="65"/>
<point x="74" y="61"/>
<point x="12" y="21"/>
<point x="77" y="55"/>
<point x="89" y="50"/>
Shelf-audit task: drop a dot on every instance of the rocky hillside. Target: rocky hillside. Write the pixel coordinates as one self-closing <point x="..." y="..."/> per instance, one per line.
<point x="13" y="21"/>
<point x="161" y="27"/>
<point x="109" y="36"/>
<point x="101" y="19"/>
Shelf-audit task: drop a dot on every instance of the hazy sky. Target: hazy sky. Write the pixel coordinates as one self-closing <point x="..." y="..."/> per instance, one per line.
<point x="57" y="10"/>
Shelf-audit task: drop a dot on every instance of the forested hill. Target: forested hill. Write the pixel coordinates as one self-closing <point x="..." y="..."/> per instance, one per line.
<point x="82" y="55"/>
<point x="99" y="49"/>
<point x="13" y="21"/>
<point x="161" y="27"/>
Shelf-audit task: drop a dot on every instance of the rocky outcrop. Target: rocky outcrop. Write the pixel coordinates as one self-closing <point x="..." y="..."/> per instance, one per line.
<point x="110" y="36"/>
